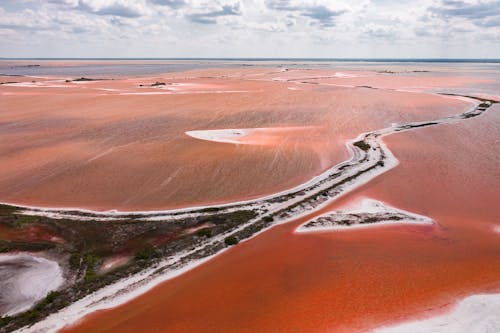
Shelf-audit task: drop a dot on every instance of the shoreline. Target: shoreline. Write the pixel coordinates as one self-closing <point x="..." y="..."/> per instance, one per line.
<point x="365" y="213"/>
<point x="473" y="313"/>
<point x="321" y="192"/>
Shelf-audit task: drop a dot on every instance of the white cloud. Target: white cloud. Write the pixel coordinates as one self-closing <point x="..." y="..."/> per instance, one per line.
<point x="239" y="28"/>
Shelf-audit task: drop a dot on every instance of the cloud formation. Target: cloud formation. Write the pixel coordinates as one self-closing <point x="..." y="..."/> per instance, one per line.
<point x="249" y="28"/>
<point x="170" y="3"/>
<point x="210" y="17"/>
<point x="323" y="15"/>
<point x="486" y="14"/>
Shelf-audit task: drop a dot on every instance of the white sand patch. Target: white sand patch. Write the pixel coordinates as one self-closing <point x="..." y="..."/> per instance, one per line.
<point x="220" y="135"/>
<point x="24" y="280"/>
<point x="362" y="213"/>
<point x="340" y="74"/>
<point x="46" y="84"/>
<point x="61" y="216"/>
<point x="474" y="314"/>
<point x="108" y="89"/>
<point x="189" y="92"/>
<point x="113" y="262"/>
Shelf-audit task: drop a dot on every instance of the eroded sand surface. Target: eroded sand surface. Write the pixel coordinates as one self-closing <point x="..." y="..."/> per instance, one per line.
<point x="24" y="280"/>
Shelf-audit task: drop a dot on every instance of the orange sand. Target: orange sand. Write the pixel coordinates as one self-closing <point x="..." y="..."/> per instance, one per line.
<point x="350" y="281"/>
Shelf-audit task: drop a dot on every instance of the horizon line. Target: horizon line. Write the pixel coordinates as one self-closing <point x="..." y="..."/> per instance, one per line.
<point x="252" y="58"/>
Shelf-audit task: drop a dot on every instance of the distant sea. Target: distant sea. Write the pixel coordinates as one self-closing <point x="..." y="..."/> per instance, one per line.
<point x="133" y="66"/>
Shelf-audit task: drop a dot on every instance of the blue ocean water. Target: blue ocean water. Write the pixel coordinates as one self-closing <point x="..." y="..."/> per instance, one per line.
<point x="148" y="66"/>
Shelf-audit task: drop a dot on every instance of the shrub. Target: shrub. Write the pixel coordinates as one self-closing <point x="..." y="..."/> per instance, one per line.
<point x="7" y="210"/>
<point x="51" y="296"/>
<point x="75" y="260"/>
<point x="90" y="274"/>
<point x="205" y="232"/>
<point x="5" y="320"/>
<point x="84" y="79"/>
<point x="147" y="253"/>
<point x="231" y="240"/>
<point x="268" y="219"/>
<point x="91" y="262"/>
<point x="362" y="145"/>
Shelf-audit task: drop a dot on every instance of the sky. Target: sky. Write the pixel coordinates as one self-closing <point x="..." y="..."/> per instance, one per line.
<point x="250" y="28"/>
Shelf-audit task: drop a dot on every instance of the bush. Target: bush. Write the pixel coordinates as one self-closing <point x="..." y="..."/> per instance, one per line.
<point x="268" y="219"/>
<point x="7" y="210"/>
<point x="31" y="315"/>
<point x="205" y="232"/>
<point x="75" y="260"/>
<point x="51" y="296"/>
<point x="147" y="253"/>
<point x="231" y="240"/>
<point x="84" y="79"/>
<point x="90" y="274"/>
<point x="362" y="145"/>
<point x="5" y="320"/>
<point x="91" y="262"/>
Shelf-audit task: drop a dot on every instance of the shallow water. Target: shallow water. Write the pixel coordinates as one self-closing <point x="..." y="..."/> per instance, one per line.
<point x="82" y="146"/>
<point x="350" y="281"/>
<point x="91" y="145"/>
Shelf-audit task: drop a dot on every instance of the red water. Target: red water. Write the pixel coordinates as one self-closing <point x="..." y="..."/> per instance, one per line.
<point x="354" y="280"/>
<point x="81" y="146"/>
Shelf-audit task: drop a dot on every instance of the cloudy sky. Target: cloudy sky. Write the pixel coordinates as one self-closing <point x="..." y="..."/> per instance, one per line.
<point x="250" y="28"/>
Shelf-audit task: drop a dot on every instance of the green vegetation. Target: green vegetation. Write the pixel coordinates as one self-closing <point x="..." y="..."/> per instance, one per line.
<point x="37" y="310"/>
<point x="210" y="210"/>
<point x="205" y="232"/>
<point x="231" y="240"/>
<point x="91" y="262"/>
<point x="362" y="145"/>
<point x="5" y="320"/>
<point x="75" y="260"/>
<point x="6" y="209"/>
<point x="268" y="219"/>
<point x="147" y="253"/>
<point x="88" y="243"/>
<point x="22" y="220"/>
<point x="49" y="299"/>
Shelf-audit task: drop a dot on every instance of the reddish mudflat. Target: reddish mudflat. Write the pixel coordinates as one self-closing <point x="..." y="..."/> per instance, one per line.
<point x="350" y="281"/>
<point x="112" y="144"/>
